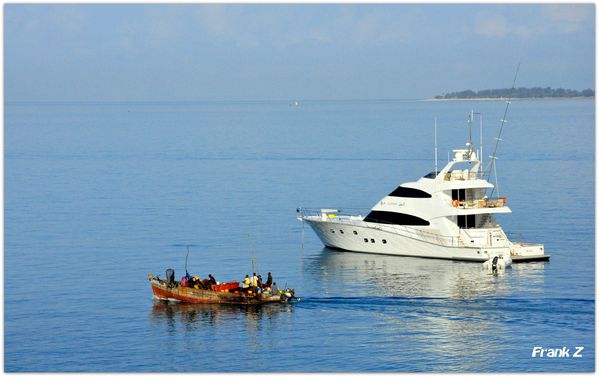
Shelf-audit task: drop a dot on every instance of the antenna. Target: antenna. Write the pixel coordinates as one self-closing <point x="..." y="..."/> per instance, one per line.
<point x="436" y="169"/>
<point x="470" y="118"/>
<point x="503" y="121"/>
<point x="480" y="116"/>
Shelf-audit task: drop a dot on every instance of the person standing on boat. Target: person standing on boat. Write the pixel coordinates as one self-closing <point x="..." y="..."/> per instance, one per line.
<point x="268" y="280"/>
<point x="246" y="281"/>
<point x="254" y="283"/>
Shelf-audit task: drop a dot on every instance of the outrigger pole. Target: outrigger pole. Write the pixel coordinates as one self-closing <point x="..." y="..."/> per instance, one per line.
<point x="503" y="120"/>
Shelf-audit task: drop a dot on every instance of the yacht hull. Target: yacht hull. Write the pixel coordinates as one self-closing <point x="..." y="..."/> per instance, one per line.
<point x="364" y="237"/>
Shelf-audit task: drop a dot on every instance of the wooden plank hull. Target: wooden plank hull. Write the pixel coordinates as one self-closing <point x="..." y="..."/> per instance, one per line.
<point x="162" y="291"/>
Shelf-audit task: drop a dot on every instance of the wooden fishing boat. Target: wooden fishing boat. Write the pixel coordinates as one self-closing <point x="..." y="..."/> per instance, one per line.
<point x="227" y="293"/>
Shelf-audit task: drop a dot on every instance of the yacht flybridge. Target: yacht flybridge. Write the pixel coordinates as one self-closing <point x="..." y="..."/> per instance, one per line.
<point x="445" y="214"/>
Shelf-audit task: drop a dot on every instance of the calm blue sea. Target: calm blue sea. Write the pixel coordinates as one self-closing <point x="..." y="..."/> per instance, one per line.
<point x="98" y="195"/>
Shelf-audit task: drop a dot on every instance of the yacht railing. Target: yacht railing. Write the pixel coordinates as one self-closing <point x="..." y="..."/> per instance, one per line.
<point x="340" y="216"/>
<point x="470" y="204"/>
<point x="459" y="175"/>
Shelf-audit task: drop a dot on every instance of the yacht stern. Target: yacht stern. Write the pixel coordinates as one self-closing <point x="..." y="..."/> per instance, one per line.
<point x="527" y="252"/>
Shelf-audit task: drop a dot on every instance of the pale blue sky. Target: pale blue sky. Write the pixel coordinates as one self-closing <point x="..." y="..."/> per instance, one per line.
<point x="191" y="52"/>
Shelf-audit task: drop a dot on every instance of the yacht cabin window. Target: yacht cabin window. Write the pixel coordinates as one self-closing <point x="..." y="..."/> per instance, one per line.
<point x="406" y="192"/>
<point x="467" y="221"/>
<point x="396" y="218"/>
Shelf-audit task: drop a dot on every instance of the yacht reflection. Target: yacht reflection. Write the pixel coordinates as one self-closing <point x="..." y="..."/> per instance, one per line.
<point x="454" y="311"/>
<point x="381" y="275"/>
<point x="194" y="316"/>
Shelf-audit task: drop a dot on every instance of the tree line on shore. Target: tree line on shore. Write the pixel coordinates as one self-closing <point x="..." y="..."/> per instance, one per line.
<point x="536" y="92"/>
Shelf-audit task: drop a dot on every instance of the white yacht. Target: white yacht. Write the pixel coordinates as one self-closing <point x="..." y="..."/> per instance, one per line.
<point x="445" y="214"/>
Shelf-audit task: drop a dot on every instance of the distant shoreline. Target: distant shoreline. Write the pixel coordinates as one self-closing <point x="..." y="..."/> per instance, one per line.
<point x="536" y="92"/>
<point x="504" y="99"/>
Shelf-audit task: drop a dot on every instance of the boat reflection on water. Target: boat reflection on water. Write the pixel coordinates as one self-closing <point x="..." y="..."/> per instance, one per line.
<point x="361" y="274"/>
<point x="456" y="314"/>
<point x="192" y="317"/>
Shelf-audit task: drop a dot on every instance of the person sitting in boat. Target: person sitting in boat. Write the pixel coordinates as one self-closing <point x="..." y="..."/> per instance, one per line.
<point x="268" y="280"/>
<point x="212" y="279"/>
<point x="195" y="282"/>
<point x="205" y="284"/>
<point x="274" y="290"/>
<point x="259" y="285"/>
<point x="184" y="281"/>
